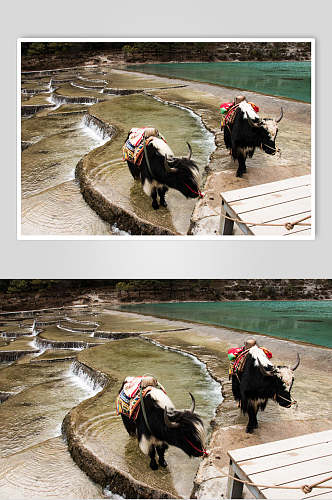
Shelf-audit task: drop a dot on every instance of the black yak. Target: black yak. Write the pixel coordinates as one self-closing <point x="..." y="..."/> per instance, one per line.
<point x="159" y="424"/>
<point x="247" y="132"/>
<point x="260" y="380"/>
<point x="159" y="170"/>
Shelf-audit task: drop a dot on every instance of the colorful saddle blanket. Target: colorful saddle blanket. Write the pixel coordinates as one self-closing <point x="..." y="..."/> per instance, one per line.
<point x="134" y="154"/>
<point x="228" y="110"/>
<point x="128" y="401"/>
<point x="130" y="406"/>
<point x="237" y="365"/>
<point x="133" y="148"/>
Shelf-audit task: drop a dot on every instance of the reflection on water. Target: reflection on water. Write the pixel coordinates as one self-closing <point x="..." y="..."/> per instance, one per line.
<point x="308" y="321"/>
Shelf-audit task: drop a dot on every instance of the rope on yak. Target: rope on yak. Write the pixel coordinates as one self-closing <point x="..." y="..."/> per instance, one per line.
<point x="306" y="488"/>
<point x="142" y="400"/>
<point x="143" y="410"/>
<point x="146" y="156"/>
<point x="288" y="225"/>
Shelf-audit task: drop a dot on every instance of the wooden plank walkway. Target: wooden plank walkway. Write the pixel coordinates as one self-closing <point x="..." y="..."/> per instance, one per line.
<point x="275" y="202"/>
<point x="299" y="461"/>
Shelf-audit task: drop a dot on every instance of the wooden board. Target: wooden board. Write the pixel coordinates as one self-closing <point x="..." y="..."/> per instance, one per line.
<point x="266" y="449"/>
<point x="271" y="199"/>
<point x="276" y="494"/>
<point x="299" y="461"/>
<point x="273" y="203"/>
<point x="262" y="189"/>
<point x="284" y="458"/>
<point x="294" y="472"/>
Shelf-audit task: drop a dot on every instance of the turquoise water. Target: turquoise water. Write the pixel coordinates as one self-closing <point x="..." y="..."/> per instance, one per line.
<point x="307" y="321"/>
<point x="283" y="79"/>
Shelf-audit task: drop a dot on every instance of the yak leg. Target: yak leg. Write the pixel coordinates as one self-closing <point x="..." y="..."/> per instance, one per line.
<point x="154" y="198"/>
<point x="252" y="414"/>
<point x="152" y="455"/>
<point x="161" y="453"/>
<point x="242" y="166"/>
<point x="162" y="191"/>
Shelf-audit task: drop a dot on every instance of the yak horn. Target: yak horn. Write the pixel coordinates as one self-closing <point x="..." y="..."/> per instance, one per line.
<point x="263" y="371"/>
<point x="193" y="404"/>
<point x="170" y="425"/>
<point x="293" y="368"/>
<point x="190" y="151"/>
<point x="281" y="115"/>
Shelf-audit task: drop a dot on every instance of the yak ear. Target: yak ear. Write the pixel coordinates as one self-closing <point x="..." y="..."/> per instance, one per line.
<point x="169" y="169"/>
<point x="169" y="424"/>
<point x="254" y="124"/>
<point x="264" y="372"/>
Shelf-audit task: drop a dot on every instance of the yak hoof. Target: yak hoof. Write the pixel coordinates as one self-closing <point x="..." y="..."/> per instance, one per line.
<point x="249" y="430"/>
<point x="162" y="463"/>
<point x="239" y="174"/>
<point x="155" y="205"/>
<point x="153" y="465"/>
<point x="163" y="203"/>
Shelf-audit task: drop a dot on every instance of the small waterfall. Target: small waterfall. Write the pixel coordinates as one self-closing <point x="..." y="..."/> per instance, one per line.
<point x="38" y="323"/>
<point x="104" y="82"/>
<point x="104" y="131"/>
<point x="93" y="324"/>
<point x="60" y="99"/>
<point x="92" y="379"/>
<point x="115" y="335"/>
<point x="204" y="367"/>
<point x="49" y="344"/>
<point x="196" y="116"/>
<point x="11" y="355"/>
